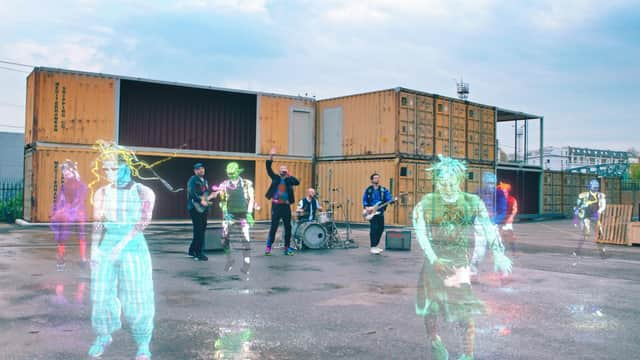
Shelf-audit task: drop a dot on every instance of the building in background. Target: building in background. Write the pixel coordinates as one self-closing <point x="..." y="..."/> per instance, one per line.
<point x="568" y="157"/>
<point x="12" y="159"/>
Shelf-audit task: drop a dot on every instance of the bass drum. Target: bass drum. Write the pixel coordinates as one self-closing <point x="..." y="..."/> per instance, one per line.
<point x="311" y="235"/>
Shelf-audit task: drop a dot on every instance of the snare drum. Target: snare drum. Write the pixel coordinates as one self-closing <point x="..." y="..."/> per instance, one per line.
<point x="312" y="235"/>
<point x="325" y="217"/>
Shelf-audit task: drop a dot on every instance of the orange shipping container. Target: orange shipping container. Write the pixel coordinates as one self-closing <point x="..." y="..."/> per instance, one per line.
<point x="364" y="124"/>
<point x="301" y="169"/>
<point x="69" y="108"/>
<point x="287" y="124"/>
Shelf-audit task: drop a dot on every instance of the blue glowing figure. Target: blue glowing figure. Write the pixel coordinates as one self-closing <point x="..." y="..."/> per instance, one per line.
<point x="121" y="276"/>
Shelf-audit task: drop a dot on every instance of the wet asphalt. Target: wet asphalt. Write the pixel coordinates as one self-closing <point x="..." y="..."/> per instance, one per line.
<point x="326" y="304"/>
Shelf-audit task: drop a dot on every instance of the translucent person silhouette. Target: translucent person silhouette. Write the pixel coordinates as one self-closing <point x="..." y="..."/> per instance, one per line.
<point x="445" y="222"/>
<point x="236" y="196"/>
<point x="588" y="210"/>
<point x="121" y="277"/>
<point x="68" y="215"/>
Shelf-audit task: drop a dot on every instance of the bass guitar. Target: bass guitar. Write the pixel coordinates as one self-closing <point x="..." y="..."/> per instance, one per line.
<point x="369" y="213"/>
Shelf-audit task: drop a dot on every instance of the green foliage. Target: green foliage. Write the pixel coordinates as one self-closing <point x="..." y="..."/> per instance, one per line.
<point x="634" y="171"/>
<point x="11" y="208"/>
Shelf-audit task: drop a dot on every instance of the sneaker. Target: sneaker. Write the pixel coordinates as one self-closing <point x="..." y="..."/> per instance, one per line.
<point x="229" y="265"/>
<point x="267" y="251"/>
<point x="191" y="253"/>
<point x="60" y="266"/>
<point x="380" y="250"/>
<point x="290" y="251"/>
<point x="438" y="350"/>
<point x="201" y="257"/>
<point x="373" y="251"/>
<point x="97" y="348"/>
<point x="143" y="354"/>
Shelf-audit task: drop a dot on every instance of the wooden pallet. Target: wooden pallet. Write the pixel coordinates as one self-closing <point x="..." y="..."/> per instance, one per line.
<point x="615" y="221"/>
<point x="633" y="233"/>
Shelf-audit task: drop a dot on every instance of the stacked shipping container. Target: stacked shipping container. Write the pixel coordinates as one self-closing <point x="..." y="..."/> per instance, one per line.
<point x="67" y="112"/>
<point x="561" y="189"/>
<point x="398" y="133"/>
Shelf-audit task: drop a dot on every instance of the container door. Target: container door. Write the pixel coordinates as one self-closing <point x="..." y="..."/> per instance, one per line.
<point x="331" y="132"/>
<point x="300" y="133"/>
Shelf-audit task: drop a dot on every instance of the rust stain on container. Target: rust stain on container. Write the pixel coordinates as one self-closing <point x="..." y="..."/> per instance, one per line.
<point x="69" y="108"/>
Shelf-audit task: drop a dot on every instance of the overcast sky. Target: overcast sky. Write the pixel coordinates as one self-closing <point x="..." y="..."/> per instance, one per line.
<point x="576" y="62"/>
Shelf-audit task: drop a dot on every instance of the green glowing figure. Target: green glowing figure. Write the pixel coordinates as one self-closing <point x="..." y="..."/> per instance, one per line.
<point x="236" y="196"/>
<point x="445" y="223"/>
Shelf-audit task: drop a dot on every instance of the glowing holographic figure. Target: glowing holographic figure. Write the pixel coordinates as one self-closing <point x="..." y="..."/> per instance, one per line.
<point x="68" y="213"/>
<point x="506" y="228"/>
<point x="589" y="208"/>
<point x="121" y="277"/>
<point x="487" y="193"/>
<point x="445" y="222"/>
<point x="236" y="196"/>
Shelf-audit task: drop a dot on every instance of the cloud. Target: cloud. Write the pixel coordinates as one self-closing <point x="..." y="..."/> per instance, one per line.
<point x="553" y="15"/>
<point x="229" y="6"/>
<point x="76" y="52"/>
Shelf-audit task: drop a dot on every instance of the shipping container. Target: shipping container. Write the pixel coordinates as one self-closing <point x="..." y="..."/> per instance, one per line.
<point x="364" y="124"/>
<point x="43" y="178"/>
<point x="301" y="169"/>
<point x="286" y="123"/>
<point x="171" y="116"/>
<point x="345" y="182"/>
<point x="342" y="185"/>
<point x="69" y="108"/>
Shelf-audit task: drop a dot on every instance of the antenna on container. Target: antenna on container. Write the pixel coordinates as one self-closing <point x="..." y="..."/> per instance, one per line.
<point x="463" y="89"/>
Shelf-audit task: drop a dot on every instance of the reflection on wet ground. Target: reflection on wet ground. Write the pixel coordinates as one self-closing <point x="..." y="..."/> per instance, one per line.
<point x="339" y="304"/>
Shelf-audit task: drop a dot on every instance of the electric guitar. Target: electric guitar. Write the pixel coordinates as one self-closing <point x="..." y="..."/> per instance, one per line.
<point x="198" y="205"/>
<point x="368" y="214"/>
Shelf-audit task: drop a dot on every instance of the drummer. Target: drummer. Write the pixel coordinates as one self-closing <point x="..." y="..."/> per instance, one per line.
<point x="308" y="207"/>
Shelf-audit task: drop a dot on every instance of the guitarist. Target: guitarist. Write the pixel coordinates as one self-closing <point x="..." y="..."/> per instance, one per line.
<point x="198" y="206"/>
<point x="374" y="195"/>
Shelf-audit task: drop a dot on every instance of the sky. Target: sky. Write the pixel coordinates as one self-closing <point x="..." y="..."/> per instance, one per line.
<point x="575" y="62"/>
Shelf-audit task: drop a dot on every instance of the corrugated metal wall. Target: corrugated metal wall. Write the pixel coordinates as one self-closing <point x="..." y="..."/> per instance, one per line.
<point x="42" y="186"/>
<point x="368" y="123"/>
<point x="29" y="108"/>
<point x="275" y="119"/>
<point x="301" y="169"/>
<point x="415" y="124"/>
<point x="69" y="108"/>
<point x="169" y="116"/>
<point x="339" y="181"/>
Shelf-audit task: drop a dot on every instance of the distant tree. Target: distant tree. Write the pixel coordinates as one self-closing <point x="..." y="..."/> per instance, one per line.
<point x="503" y="156"/>
<point x="634" y="171"/>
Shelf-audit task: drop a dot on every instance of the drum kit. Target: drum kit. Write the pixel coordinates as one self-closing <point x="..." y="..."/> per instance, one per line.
<point x="321" y="233"/>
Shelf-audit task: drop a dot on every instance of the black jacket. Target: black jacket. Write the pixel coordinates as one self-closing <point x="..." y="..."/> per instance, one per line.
<point x="289" y="181"/>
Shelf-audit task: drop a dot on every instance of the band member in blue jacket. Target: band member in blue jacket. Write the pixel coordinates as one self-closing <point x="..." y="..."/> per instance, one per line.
<point x="375" y="194"/>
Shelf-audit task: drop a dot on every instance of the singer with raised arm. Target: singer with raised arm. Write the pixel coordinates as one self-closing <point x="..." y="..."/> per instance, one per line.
<point x="280" y="193"/>
<point x="374" y="202"/>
